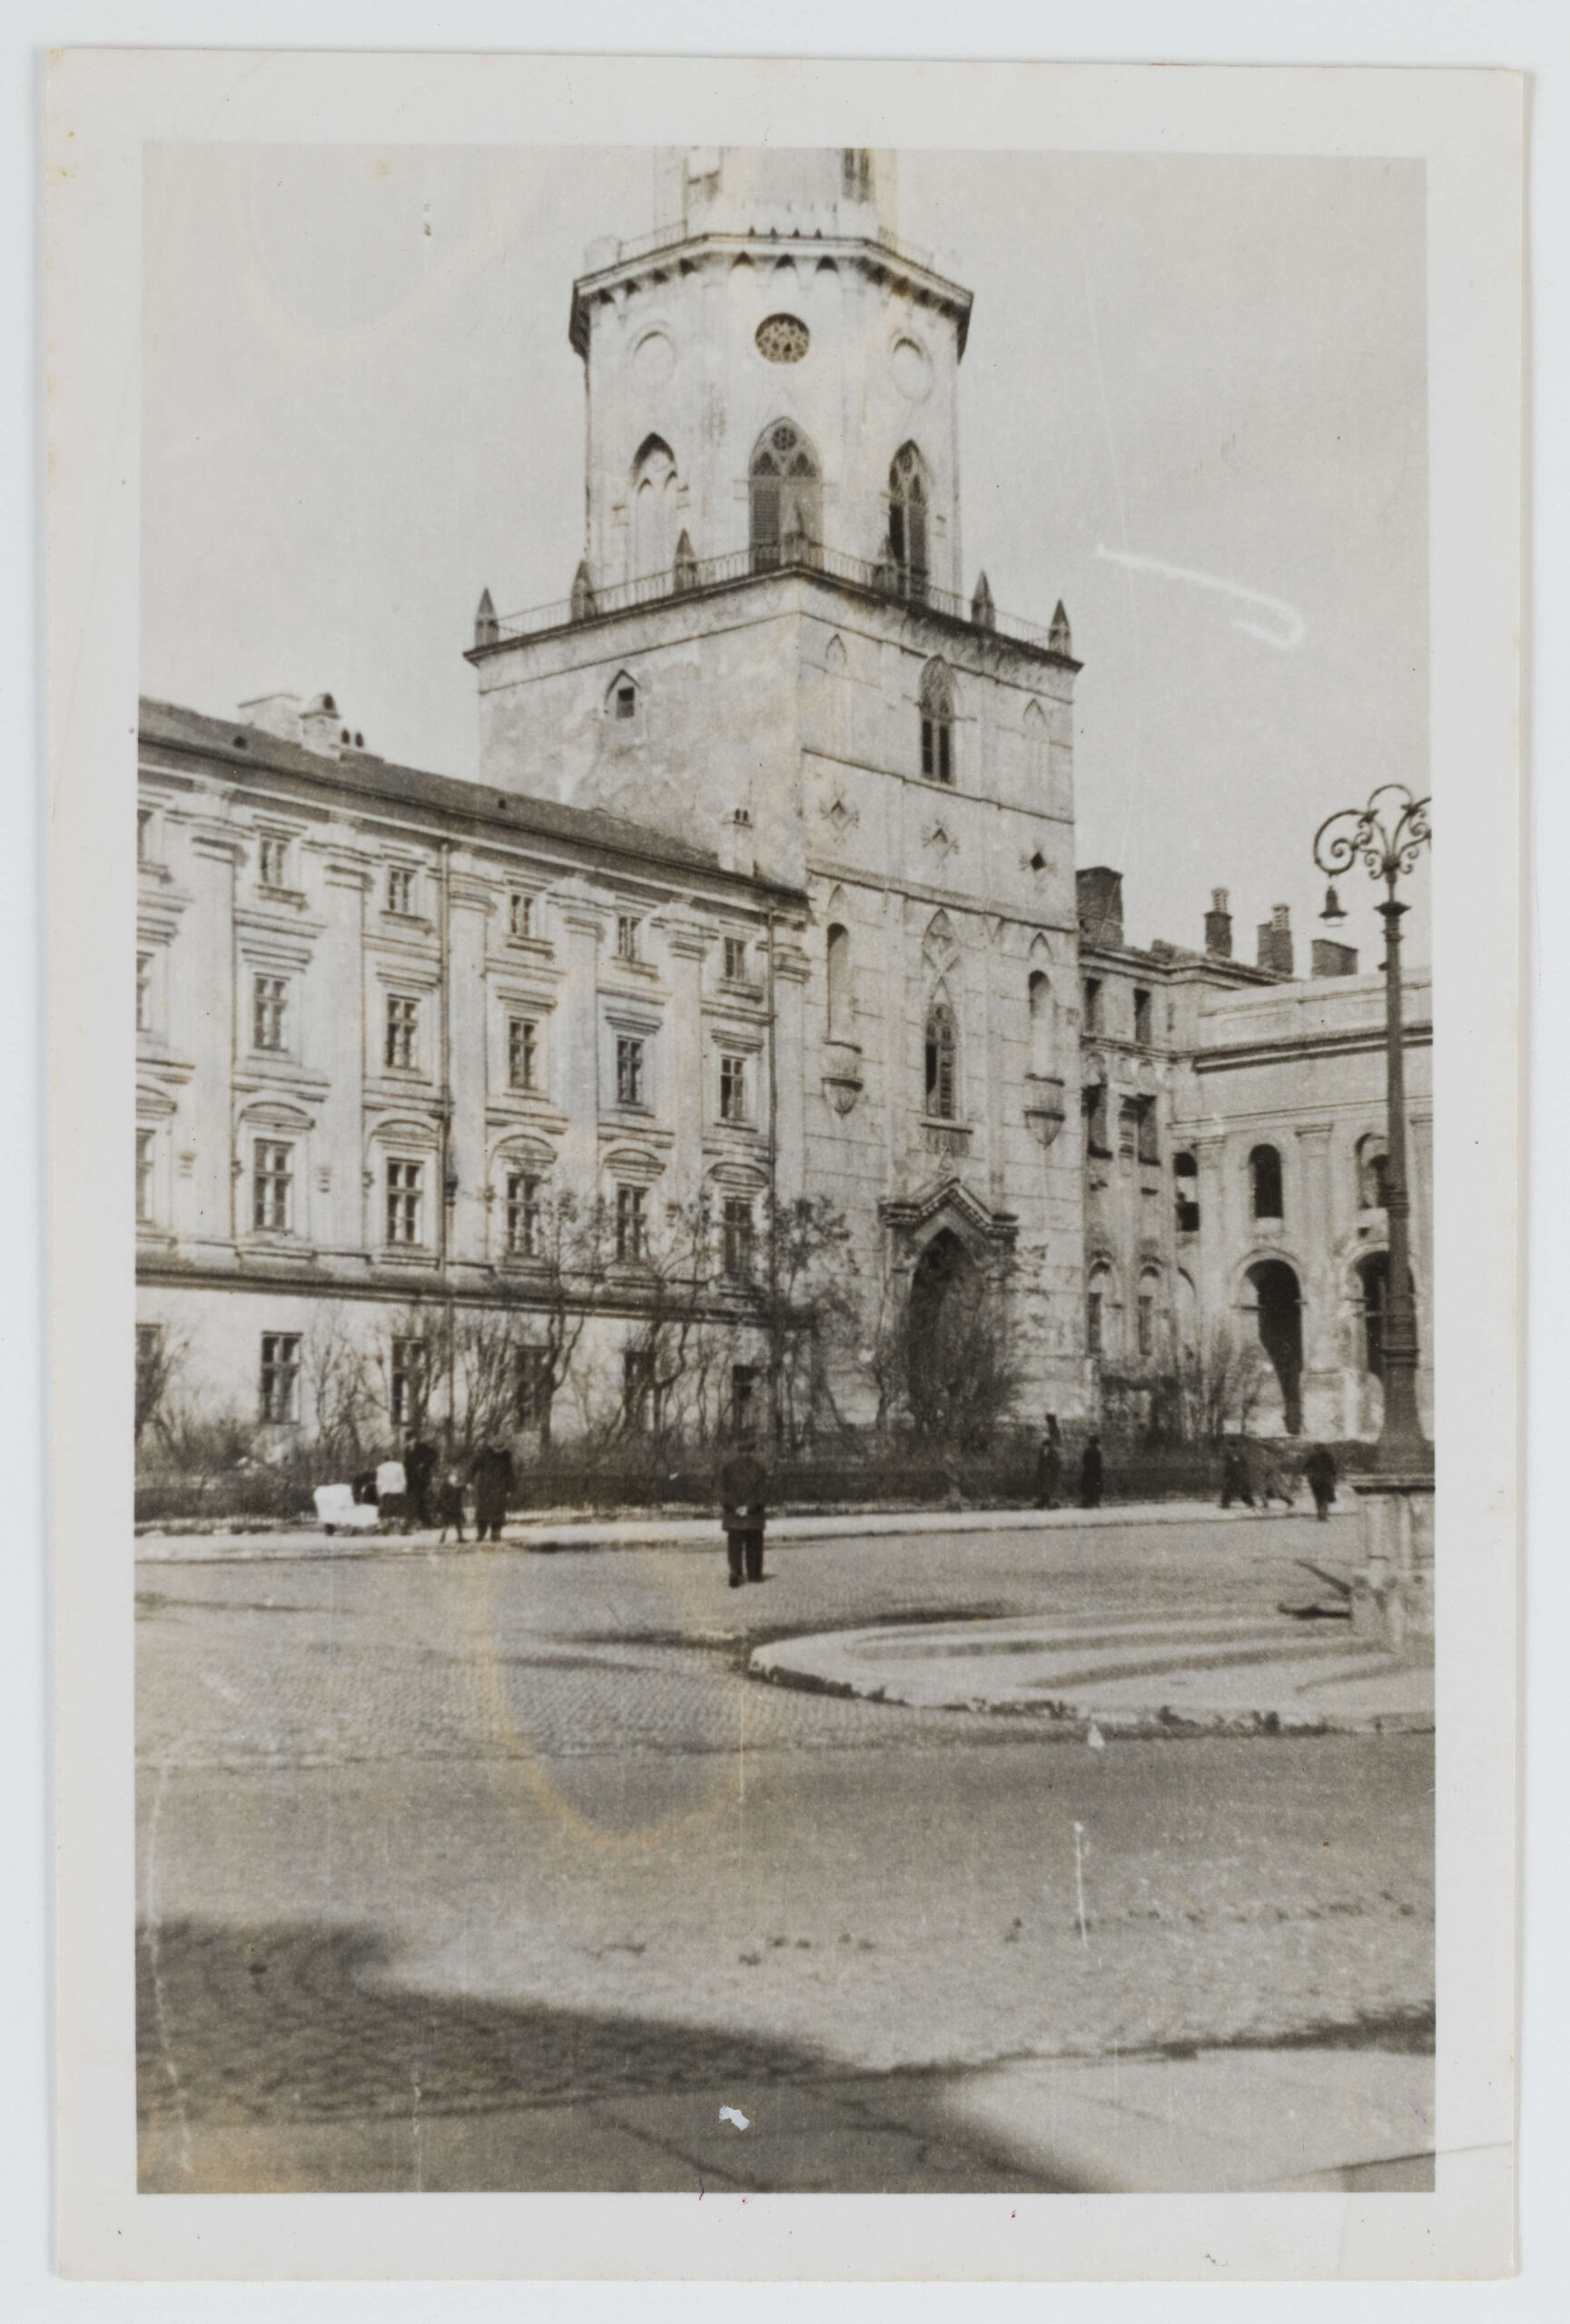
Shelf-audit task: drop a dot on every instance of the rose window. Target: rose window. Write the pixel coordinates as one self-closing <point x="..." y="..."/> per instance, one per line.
<point x="782" y="338"/>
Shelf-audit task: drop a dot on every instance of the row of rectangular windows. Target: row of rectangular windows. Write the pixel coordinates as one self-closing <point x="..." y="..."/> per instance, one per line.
<point x="403" y="895"/>
<point x="281" y="1369"/>
<point x="272" y="1204"/>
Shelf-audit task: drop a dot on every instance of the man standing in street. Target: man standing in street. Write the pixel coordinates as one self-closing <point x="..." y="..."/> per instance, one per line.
<point x="743" y="1488"/>
<point x="1091" y="1474"/>
<point x="1319" y="1468"/>
<point x="1050" y="1466"/>
<point x="418" y="1468"/>
<point x="492" y="1484"/>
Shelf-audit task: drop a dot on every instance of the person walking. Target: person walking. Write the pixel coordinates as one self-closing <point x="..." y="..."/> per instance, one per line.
<point x="492" y="1483"/>
<point x="1091" y="1472"/>
<point x="391" y="1492"/>
<point x="1320" y="1469"/>
<point x="744" y="1509"/>
<point x="449" y="1506"/>
<point x="1050" y="1466"/>
<point x="420" y="1469"/>
<point x="1236" y="1483"/>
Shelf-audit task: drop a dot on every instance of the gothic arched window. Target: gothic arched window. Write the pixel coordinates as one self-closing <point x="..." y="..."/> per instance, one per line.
<point x="937" y="708"/>
<point x="941" y="1060"/>
<point x="1265" y="1172"/>
<point x="786" y="491"/>
<point x="1040" y="996"/>
<point x="908" y="521"/>
<point x="654" y="498"/>
<point x="839" y="983"/>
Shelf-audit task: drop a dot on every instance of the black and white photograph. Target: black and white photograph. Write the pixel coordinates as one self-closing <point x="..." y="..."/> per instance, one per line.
<point x="788" y="1347"/>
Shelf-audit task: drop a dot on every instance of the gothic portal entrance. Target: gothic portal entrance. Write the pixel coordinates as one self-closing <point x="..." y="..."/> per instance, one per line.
<point x="1280" y="1315"/>
<point x="947" y="1296"/>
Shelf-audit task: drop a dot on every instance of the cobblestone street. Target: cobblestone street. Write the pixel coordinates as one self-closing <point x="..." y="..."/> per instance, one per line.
<point x="429" y="1841"/>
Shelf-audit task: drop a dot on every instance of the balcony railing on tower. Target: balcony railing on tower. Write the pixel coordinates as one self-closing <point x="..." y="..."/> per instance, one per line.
<point x="794" y="553"/>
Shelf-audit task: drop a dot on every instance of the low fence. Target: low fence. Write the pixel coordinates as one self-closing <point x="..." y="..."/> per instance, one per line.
<point x="646" y="1474"/>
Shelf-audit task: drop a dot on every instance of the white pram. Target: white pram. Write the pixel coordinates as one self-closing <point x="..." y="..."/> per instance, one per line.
<point x="336" y="1508"/>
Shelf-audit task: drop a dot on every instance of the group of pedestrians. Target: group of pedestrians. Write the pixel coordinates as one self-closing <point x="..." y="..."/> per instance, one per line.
<point x="1051" y="1468"/>
<point x="1274" y="1481"/>
<point x="407" y="1491"/>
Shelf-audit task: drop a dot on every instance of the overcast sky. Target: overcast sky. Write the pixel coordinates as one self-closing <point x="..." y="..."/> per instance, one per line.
<point x="359" y="407"/>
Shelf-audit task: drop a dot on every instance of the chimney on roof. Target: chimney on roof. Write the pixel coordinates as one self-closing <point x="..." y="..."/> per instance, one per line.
<point x="1219" y="925"/>
<point x="275" y="713"/>
<point x="1275" y="940"/>
<point x="322" y="729"/>
<point x="1330" y="959"/>
<point x="1099" y="891"/>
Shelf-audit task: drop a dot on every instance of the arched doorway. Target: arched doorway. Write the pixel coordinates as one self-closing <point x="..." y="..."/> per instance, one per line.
<point x="1281" y="1315"/>
<point x="946" y="1303"/>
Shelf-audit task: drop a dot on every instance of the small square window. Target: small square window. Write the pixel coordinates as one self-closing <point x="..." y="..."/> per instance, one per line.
<point x="627" y="700"/>
<point x="733" y="1105"/>
<point x="628" y="1071"/>
<point x="520" y="915"/>
<point x="736" y="960"/>
<point x="626" y="937"/>
<point x="522" y="1052"/>
<point x="401" y="888"/>
<point x="280" y="1382"/>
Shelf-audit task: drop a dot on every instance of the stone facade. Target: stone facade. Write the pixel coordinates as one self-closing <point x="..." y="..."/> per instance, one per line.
<point x="769" y="799"/>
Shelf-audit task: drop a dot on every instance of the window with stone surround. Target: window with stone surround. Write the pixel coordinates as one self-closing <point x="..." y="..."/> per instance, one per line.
<point x="732" y="1089"/>
<point x="941" y="1047"/>
<point x="401" y="1046"/>
<point x="1265" y="1182"/>
<point x="523" y="1188"/>
<point x="269" y="1013"/>
<point x="279" y="1385"/>
<point x="908" y="522"/>
<point x="937" y="723"/>
<point x="405" y="1188"/>
<point x="273" y="1186"/>
<point x="522" y="1052"/>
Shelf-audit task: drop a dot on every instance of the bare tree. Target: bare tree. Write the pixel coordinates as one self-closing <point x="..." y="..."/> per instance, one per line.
<point x="1220" y="1383"/>
<point x="161" y="1355"/>
<point x="341" y="1396"/>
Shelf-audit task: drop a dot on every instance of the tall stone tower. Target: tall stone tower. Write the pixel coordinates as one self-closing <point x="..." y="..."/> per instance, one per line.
<point x="777" y="295"/>
<point x="771" y="650"/>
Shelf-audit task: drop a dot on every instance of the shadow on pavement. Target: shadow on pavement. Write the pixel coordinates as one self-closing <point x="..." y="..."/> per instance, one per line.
<point x="279" y="2059"/>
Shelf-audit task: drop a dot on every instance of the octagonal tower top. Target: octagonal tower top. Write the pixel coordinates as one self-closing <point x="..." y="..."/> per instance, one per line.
<point x="770" y="364"/>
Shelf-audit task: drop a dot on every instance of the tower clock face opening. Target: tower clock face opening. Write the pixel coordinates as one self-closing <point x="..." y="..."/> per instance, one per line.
<point x="783" y="339"/>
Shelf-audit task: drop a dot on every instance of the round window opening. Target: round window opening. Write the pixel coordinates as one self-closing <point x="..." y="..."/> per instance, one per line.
<point x="782" y="338"/>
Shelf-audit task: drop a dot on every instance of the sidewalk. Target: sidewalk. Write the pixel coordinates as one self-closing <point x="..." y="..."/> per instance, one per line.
<point x="547" y="1535"/>
<point x="1214" y="1671"/>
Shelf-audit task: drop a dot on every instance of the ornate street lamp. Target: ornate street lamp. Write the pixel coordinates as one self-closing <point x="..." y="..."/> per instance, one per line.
<point x="1387" y="837"/>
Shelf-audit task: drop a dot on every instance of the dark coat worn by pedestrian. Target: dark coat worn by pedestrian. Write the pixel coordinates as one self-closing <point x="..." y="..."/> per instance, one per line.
<point x="1048" y="1473"/>
<point x="1320" y="1469"/>
<point x="1091" y="1472"/>
<point x="492" y="1484"/>
<point x="418" y="1469"/>
<point x="744" y="1510"/>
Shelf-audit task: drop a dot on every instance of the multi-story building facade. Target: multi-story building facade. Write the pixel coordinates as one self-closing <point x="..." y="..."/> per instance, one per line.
<point x="767" y="888"/>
